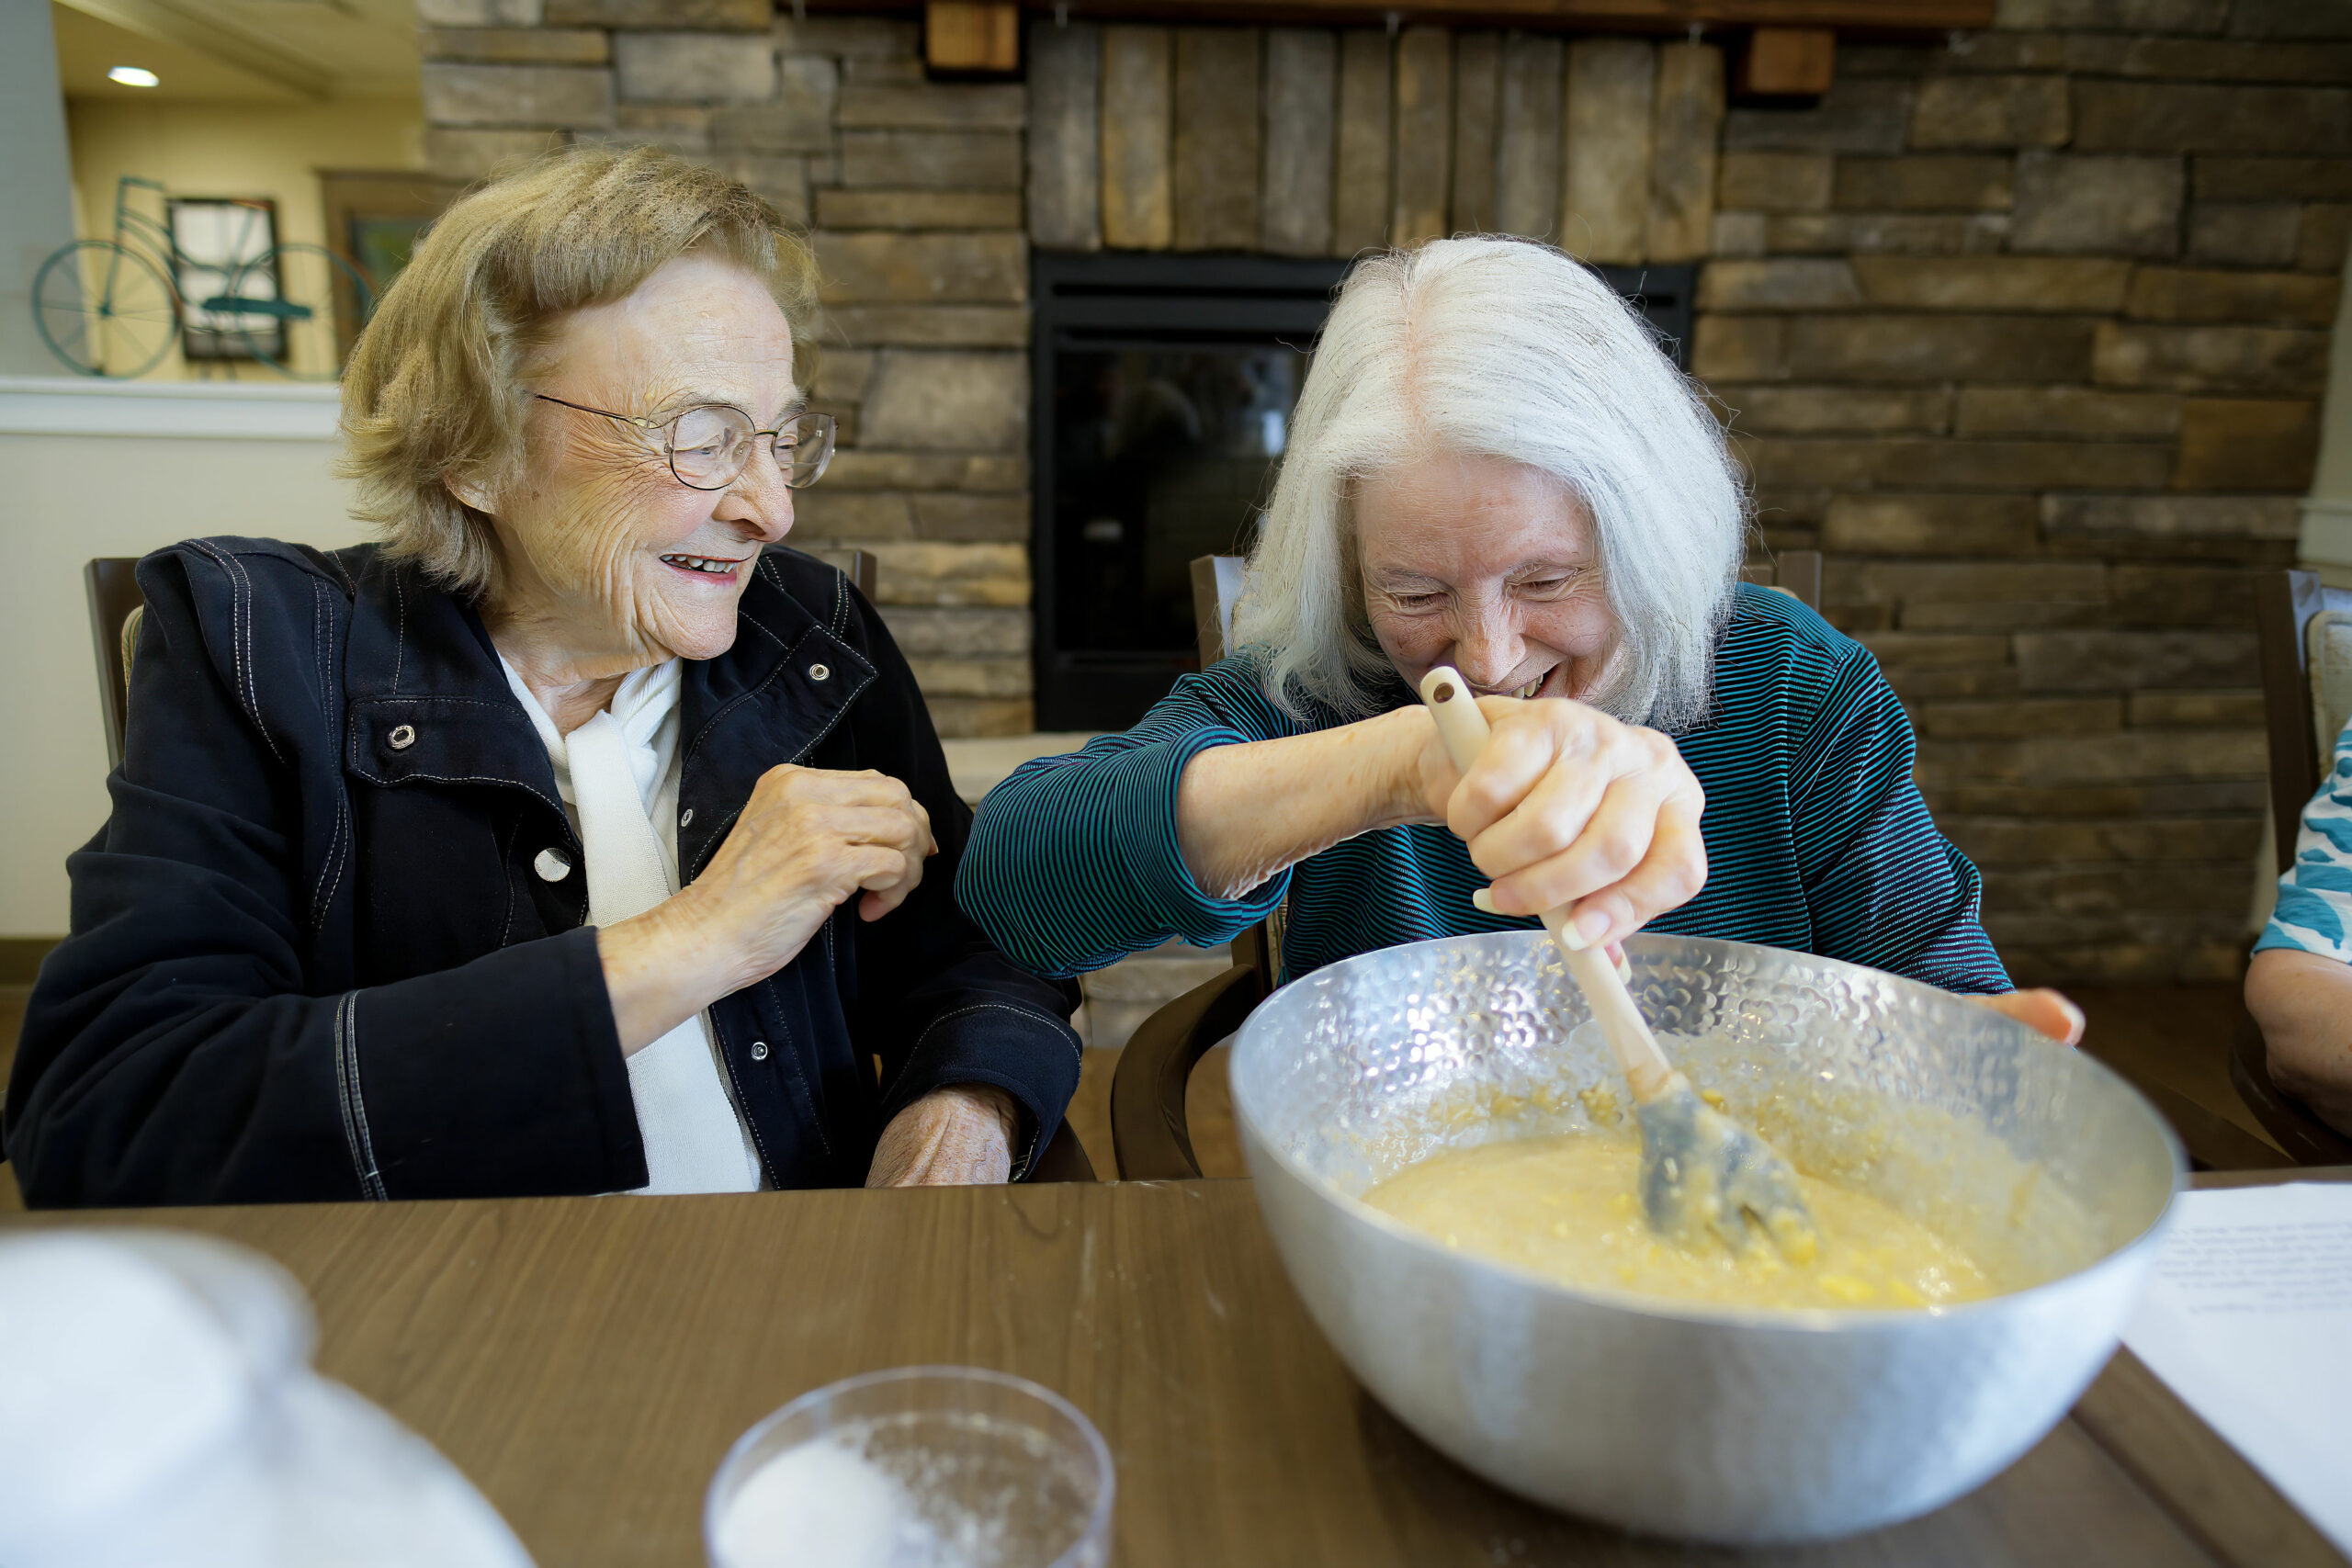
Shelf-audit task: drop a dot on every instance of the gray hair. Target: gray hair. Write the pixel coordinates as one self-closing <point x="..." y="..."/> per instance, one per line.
<point x="1510" y="349"/>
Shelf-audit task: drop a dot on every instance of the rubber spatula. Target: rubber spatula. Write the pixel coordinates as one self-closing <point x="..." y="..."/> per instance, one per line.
<point x="1700" y="1168"/>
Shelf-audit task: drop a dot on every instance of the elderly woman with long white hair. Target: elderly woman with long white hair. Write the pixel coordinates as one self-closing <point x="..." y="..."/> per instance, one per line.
<point x="1493" y="467"/>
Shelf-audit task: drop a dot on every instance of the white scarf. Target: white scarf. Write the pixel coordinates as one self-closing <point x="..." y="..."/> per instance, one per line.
<point x="618" y="776"/>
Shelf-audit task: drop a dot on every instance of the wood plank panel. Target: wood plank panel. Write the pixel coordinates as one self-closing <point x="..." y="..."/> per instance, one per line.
<point x="1685" y="133"/>
<point x="1302" y="103"/>
<point x="1605" y="197"/>
<point x="1526" y="135"/>
<point x="1424" y="134"/>
<point x="1216" y="137"/>
<point x="1138" y="191"/>
<point x="1477" y="89"/>
<point x="972" y="35"/>
<point x="1360" y="191"/>
<point x="1066" y="136"/>
<point x="1788" y="62"/>
<point x="1669" y="18"/>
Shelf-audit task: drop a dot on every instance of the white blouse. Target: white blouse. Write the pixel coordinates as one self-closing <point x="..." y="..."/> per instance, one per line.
<point x="618" y="776"/>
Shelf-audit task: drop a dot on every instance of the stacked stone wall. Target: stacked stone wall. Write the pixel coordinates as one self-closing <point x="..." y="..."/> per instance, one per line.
<point x="2026" y="332"/>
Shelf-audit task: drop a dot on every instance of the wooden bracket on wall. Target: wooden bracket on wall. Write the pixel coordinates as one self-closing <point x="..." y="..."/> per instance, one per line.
<point x="1786" y="62"/>
<point x="972" y="36"/>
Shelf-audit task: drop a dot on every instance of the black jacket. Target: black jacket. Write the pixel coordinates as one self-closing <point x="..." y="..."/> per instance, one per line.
<point x="306" y="963"/>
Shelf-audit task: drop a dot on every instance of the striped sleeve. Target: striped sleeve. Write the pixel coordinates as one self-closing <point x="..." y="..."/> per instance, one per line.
<point x="2315" y="910"/>
<point x="1073" y="861"/>
<point x="1885" y="887"/>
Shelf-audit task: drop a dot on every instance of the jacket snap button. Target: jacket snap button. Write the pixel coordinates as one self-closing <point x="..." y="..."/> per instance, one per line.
<point x="686" y="818"/>
<point x="820" y="673"/>
<point x="759" y="1050"/>
<point x="402" y="736"/>
<point x="553" y="865"/>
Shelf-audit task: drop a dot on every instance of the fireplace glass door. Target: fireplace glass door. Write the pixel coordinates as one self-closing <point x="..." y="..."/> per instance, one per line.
<point x="1162" y="454"/>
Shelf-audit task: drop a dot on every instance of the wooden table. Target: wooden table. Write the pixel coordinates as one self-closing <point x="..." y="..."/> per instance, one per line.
<point x="587" y="1361"/>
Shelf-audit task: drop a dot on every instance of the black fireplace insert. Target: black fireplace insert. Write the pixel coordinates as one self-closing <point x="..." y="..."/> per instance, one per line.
<point x="1163" y="389"/>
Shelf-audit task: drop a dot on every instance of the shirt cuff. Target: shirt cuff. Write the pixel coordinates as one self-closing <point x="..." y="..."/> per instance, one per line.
<point x="1143" y="817"/>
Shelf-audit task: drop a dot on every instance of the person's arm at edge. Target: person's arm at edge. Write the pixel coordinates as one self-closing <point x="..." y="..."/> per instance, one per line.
<point x="2304" y="1002"/>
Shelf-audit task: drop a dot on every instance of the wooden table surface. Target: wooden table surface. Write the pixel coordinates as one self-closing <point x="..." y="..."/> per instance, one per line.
<point x="586" y="1361"/>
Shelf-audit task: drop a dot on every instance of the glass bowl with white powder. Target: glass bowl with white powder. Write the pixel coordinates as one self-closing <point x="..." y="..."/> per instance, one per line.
<point x="916" y="1467"/>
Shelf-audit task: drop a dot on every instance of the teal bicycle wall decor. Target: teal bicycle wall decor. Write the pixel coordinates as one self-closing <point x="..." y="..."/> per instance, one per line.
<point x="114" y="306"/>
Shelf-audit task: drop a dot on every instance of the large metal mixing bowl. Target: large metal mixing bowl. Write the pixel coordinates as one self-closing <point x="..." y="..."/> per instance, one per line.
<point x="1713" y="1424"/>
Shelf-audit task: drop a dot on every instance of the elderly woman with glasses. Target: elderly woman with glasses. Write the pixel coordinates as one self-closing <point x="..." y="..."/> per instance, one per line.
<point x="1492" y="467"/>
<point x="579" y="837"/>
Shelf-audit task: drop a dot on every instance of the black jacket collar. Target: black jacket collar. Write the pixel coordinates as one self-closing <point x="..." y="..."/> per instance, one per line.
<point x="428" y="702"/>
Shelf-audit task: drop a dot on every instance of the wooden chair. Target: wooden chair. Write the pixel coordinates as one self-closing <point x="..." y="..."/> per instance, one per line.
<point x="2303" y="747"/>
<point x="1795" y="573"/>
<point x="116" y="605"/>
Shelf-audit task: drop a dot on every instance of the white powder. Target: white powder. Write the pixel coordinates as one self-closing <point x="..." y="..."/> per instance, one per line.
<point x="826" y="1503"/>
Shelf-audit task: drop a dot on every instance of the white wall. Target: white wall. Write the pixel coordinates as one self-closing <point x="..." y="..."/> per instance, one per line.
<point x="120" y="468"/>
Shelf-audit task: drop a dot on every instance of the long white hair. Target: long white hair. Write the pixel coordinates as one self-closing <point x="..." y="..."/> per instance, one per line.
<point x="1510" y="349"/>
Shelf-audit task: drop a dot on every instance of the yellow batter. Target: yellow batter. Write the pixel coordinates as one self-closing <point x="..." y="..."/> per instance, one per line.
<point x="1564" y="1207"/>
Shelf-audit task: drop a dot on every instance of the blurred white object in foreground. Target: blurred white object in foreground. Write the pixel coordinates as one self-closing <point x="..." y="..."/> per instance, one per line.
<point x="158" y="1410"/>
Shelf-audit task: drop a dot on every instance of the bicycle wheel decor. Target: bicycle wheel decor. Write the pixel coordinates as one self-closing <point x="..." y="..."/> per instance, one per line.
<point x="104" y="309"/>
<point x="281" y="306"/>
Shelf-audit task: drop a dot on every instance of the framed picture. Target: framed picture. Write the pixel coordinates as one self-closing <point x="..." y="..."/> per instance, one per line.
<point x="374" y="220"/>
<point x="222" y="255"/>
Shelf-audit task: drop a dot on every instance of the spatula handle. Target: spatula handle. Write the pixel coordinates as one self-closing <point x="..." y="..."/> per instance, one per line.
<point x="1463" y="729"/>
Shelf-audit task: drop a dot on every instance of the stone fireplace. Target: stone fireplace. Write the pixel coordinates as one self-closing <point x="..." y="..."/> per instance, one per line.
<point x="2024" y="328"/>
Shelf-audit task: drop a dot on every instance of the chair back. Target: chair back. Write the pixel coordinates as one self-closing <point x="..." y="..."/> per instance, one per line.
<point x="856" y="565"/>
<point x="1796" y="573"/>
<point x="1216" y="588"/>
<point x="2304" y="630"/>
<point x="111" y="583"/>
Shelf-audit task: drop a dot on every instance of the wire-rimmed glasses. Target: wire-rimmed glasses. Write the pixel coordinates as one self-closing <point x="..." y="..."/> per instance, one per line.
<point x="709" y="445"/>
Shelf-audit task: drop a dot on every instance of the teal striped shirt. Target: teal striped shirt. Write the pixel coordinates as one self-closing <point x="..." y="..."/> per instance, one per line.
<point x="1816" y="837"/>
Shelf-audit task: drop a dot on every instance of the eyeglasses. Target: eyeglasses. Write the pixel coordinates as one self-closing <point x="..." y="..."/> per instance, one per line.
<point x="709" y="445"/>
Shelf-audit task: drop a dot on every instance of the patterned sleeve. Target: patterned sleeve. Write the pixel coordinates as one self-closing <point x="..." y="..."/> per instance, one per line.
<point x="2314" y="908"/>
<point x="1073" y="861"/>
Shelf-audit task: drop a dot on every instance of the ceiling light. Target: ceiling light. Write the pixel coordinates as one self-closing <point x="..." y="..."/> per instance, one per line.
<point x="134" y="76"/>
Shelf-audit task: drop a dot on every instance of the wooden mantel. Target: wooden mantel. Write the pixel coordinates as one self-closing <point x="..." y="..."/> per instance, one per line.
<point x="983" y="35"/>
<point x="1649" y="16"/>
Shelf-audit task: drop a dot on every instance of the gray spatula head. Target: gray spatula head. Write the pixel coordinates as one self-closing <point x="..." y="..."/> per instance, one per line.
<point x="1703" y="1170"/>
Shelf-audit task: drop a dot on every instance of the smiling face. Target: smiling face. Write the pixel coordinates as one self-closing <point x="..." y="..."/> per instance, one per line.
<point x="607" y="562"/>
<point x="1486" y="565"/>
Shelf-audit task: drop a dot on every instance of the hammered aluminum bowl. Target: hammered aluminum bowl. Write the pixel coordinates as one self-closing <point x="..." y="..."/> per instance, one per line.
<point x="1727" y="1425"/>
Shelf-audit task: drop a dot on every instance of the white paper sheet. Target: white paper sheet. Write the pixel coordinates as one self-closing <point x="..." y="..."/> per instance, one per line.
<point x="2249" y="1320"/>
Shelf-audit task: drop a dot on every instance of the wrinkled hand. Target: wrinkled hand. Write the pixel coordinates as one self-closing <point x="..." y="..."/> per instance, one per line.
<point x="807" y="841"/>
<point x="957" y="1136"/>
<point x="2044" y="1010"/>
<point x="1568" y="805"/>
